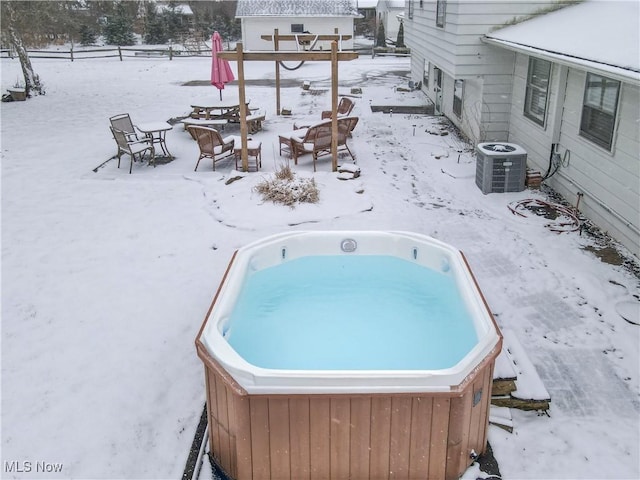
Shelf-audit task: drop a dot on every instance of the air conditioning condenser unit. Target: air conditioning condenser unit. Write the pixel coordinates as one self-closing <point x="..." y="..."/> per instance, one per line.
<point x="500" y="167"/>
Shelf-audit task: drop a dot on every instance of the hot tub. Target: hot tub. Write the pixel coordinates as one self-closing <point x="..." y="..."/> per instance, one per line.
<point x="348" y="354"/>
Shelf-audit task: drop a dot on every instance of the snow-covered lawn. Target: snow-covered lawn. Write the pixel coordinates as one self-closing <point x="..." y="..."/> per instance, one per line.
<point x="106" y="276"/>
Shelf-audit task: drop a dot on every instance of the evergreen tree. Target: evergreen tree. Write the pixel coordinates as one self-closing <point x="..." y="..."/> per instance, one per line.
<point x="172" y="18"/>
<point x="381" y="37"/>
<point x="87" y="36"/>
<point x="400" y="39"/>
<point x="119" y="30"/>
<point x="154" y="28"/>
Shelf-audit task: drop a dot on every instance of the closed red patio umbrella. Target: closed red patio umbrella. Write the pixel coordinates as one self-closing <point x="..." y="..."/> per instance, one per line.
<point x="220" y="69"/>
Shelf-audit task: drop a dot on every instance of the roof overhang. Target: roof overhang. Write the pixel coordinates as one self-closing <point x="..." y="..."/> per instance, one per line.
<point x="609" y="71"/>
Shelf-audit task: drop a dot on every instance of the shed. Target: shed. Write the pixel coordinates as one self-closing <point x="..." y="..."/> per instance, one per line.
<point x="317" y="17"/>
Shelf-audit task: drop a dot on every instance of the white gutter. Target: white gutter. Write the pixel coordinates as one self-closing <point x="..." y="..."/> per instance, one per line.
<point x="609" y="71"/>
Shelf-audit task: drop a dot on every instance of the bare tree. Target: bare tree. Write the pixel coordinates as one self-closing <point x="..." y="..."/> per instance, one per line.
<point x="12" y="31"/>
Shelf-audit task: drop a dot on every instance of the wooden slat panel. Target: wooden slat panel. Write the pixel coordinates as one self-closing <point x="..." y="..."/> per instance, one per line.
<point x="439" y="434"/>
<point x="475" y="433"/>
<point x="475" y="428"/>
<point x="340" y="435"/>
<point x="214" y="427"/>
<point x="400" y="437"/>
<point x="457" y="454"/>
<point x="232" y="428"/>
<point x="360" y="437"/>
<point x="484" y="422"/>
<point x="300" y="438"/>
<point x="319" y="422"/>
<point x="421" y="414"/>
<point x="380" y="433"/>
<point x="223" y="422"/>
<point x="243" y="437"/>
<point x="259" y="413"/>
<point x="279" y="446"/>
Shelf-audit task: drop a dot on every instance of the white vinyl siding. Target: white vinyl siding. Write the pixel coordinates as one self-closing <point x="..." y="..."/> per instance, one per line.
<point x="254" y="27"/>
<point x="458" y="50"/>
<point x="610" y="181"/>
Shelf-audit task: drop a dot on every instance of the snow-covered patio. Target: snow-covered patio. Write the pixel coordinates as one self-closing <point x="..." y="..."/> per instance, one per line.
<point x="107" y="276"/>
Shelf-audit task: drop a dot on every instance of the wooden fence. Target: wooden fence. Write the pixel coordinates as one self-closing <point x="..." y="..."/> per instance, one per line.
<point x="119" y="52"/>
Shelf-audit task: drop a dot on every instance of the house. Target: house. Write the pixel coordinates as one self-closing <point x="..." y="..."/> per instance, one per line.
<point x="290" y="17"/>
<point x="389" y="13"/>
<point x="562" y="83"/>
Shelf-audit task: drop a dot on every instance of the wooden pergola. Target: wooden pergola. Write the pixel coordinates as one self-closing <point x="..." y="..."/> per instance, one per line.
<point x="334" y="56"/>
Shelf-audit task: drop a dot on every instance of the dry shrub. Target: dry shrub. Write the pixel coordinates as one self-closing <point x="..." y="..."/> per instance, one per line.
<point x="286" y="189"/>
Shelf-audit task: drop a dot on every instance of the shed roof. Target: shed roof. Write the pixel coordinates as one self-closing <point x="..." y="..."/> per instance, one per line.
<point x="393" y="4"/>
<point x="181" y="8"/>
<point x="596" y="35"/>
<point x="296" y="8"/>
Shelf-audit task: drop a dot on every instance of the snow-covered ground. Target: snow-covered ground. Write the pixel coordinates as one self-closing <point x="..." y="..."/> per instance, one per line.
<point x="106" y="276"/>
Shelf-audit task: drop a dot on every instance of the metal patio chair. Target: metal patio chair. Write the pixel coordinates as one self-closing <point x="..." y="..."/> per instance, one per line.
<point x="136" y="149"/>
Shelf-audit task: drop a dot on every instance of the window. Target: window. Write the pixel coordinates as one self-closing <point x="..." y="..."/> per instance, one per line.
<point x="458" y="87"/>
<point x="297" y="27"/>
<point x="410" y="8"/>
<point x="599" y="109"/>
<point x="437" y="74"/>
<point x="535" y="101"/>
<point x="441" y="6"/>
<point x="425" y="75"/>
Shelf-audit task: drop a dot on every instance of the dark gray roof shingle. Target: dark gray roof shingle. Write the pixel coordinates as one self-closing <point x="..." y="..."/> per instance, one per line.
<point x="296" y="8"/>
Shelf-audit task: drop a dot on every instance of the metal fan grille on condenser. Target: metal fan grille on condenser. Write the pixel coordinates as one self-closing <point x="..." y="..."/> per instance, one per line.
<point x="498" y="147"/>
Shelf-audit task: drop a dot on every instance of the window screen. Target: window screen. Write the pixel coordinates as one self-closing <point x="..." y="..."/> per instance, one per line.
<point x="535" y="103"/>
<point x="599" y="109"/>
<point x="441" y="7"/>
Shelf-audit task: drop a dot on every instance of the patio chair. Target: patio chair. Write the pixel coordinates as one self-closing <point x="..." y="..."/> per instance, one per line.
<point x="134" y="148"/>
<point x="211" y="144"/>
<point x="317" y="139"/>
<point x="123" y="123"/>
<point x="345" y="106"/>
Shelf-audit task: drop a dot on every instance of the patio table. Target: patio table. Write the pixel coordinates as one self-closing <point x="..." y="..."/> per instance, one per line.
<point x="157" y="131"/>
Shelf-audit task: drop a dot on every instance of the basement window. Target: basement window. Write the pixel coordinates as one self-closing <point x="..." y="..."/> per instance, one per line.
<point x="297" y="28"/>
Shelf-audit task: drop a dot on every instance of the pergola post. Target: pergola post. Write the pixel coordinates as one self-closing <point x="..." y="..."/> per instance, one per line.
<point x="276" y="47"/>
<point x="334" y="105"/>
<point x="243" y="108"/>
